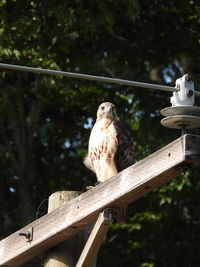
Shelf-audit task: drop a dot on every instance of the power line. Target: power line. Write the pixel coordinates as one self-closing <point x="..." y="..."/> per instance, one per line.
<point x="87" y="77"/>
<point x="90" y="77"/>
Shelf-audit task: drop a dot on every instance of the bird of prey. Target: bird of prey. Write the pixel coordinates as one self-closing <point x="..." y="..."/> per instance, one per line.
<point x="110" y="148"/>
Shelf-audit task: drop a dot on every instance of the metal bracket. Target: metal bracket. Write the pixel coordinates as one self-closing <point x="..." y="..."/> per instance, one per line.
<point x="185" y="95"/>
<point x="28" y="234"/>
<point x="95" y="239"/>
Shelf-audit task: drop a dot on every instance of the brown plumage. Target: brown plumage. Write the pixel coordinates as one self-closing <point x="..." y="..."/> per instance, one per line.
<point x="110" y="147"/>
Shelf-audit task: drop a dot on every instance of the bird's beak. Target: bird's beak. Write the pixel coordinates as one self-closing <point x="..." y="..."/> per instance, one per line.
<point x="109" y="112"/>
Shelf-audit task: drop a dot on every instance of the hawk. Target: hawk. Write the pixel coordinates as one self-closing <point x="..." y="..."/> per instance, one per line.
<point x="110" y="148"/>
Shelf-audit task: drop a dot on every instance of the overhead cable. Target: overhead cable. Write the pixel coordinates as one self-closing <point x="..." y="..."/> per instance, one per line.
<point x="90" y="77"/>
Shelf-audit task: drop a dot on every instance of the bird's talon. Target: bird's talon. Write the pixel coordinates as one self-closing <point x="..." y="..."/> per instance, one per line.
<point x="89" y="187"/>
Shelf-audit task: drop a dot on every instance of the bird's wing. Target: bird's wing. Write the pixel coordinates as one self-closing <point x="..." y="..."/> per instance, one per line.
<point x="124" y="156"/>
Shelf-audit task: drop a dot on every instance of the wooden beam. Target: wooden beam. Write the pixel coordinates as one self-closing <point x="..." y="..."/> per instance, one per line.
<point x="95" y="239"/>
<point x="127" y="186"/>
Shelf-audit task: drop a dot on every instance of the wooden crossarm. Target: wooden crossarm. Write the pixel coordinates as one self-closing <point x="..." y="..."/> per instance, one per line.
<point x="127" y="186"/>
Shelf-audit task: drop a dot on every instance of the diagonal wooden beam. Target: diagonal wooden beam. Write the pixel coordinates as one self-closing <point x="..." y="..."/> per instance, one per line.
<point x="95" y="239"/>
<point x="127" y="186"/>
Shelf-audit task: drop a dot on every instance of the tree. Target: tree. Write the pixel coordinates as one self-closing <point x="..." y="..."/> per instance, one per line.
<point x="45" y="120"/>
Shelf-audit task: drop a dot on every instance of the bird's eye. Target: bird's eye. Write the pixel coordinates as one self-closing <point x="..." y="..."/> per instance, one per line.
<point x="102" y="108"/>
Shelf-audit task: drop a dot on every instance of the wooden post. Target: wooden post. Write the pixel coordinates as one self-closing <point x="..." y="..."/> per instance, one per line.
<point x="66" y="253"/>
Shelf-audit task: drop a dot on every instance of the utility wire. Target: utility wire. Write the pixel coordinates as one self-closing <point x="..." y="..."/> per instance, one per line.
<point x="91" y="77"/>
<point x="87" y="77"/>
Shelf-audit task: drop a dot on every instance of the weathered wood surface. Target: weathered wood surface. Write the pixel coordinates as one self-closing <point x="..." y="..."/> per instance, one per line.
<point x="127" y="186"/>
<point x="95" y="240"/>
<point x="62" y="255"/>
<point x="67" y="253"/>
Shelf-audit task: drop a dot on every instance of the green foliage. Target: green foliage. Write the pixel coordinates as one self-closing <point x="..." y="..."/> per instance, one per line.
<point x="45" y="121"/>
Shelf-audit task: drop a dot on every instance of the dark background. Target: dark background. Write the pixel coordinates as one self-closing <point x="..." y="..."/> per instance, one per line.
<point x="45" y="121"/>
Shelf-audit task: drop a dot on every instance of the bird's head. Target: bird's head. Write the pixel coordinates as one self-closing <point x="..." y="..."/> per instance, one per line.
<point x="106" y="111"/>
